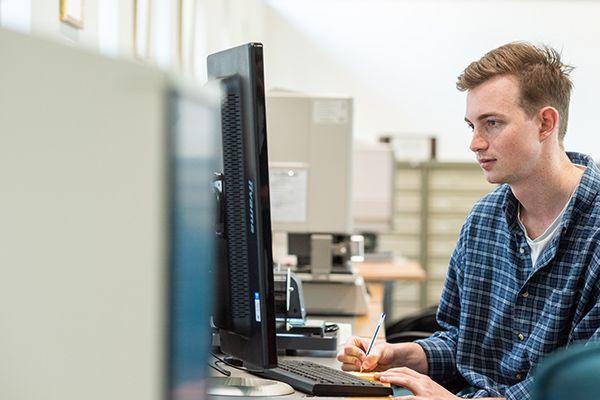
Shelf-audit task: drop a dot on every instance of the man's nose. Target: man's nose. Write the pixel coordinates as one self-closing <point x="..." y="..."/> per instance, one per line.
<point x="478" y="142"/>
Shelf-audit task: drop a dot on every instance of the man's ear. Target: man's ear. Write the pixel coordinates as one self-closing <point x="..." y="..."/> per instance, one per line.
<point x="549" y="122"/>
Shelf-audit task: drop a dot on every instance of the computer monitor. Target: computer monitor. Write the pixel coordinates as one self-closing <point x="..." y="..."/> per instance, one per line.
<point x="245" y="306"/>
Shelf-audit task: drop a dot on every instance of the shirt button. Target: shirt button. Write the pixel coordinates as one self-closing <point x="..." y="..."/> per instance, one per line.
<point x="521" y="337"/>
<point x="521" y="250"/>
<point x="519" y="376"/>
<point x="525" y="294"/>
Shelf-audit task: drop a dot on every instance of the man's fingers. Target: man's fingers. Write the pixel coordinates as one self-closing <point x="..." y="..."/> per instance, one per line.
<point x="396" y="379"/>
<point x="348" y="359"/>
<point x="354" y="351"/>
<point x="403" y="371"/>
<point x="408" y="378"/>
<point x="370" y="362"/>
<point x="406" y="381"/>
<point x="353" y="355"/>
<point x="359" y="342"/>
<point x="350" y="367"/>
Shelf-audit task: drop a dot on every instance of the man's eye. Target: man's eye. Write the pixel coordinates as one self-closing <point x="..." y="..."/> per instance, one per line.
<point x="492" y="122"/>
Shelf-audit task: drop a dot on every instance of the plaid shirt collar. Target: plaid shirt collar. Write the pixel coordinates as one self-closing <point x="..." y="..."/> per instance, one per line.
<point x="581" y="201"/>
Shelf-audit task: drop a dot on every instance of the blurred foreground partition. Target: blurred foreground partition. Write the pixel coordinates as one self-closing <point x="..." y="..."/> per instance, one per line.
<point x="106" y="226"/>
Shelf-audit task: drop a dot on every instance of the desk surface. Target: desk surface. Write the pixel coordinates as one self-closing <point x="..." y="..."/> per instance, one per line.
<point x="374" y="273"/>
<point x="384" y="271"/>
<point x="327" y="359"/>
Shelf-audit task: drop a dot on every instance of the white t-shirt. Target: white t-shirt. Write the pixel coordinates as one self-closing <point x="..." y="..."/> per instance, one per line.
<point x="538" y="244"/>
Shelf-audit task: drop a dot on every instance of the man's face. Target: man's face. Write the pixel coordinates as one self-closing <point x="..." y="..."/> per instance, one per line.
<point x="505" y="140"/>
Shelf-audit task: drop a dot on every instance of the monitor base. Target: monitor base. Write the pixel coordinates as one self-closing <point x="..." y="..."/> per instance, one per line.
<point x="236" y="386"/>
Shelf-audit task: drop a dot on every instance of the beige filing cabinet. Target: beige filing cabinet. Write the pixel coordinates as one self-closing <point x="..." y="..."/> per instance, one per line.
<point x="431" y="202"/>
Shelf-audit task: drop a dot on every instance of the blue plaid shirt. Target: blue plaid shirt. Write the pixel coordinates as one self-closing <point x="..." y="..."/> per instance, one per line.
<point x="502" y="315"/>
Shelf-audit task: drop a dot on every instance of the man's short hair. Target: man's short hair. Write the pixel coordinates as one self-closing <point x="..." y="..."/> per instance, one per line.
<point x="543" y="78"/>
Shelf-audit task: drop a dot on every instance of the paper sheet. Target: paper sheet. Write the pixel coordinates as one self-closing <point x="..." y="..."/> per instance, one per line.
<point x="288" y="193"/>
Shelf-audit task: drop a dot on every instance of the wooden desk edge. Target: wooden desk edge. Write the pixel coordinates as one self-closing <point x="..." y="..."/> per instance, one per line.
<point x="397" y="270"/>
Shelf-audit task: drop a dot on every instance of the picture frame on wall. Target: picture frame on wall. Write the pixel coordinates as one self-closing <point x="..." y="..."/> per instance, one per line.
<point x="71" y="12"/>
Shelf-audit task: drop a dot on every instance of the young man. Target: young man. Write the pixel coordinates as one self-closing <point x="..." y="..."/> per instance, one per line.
<point x="524" y="278"/>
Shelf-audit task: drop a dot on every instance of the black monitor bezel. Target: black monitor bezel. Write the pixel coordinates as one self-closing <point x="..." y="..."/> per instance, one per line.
<point x="256" y="347"/>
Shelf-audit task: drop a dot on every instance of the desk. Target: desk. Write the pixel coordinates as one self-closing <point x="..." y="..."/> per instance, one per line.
<point x="345" y="332"/>
<point x="376" y="274"/>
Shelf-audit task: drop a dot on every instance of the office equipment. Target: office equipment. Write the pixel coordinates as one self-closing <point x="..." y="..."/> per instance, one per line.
<point x="321" y="253"/>
<point x="324" y="266"/>
<point x="411" y="147"/>
<point x="335" y="294"/>
<point x="245" y="309"/>
<point x="310" y="160"/>
<point x="372" y="187"/>
<point x="312" y="336"/>
<point x="319" y="380"/>
<point x="310" y="148"/>
<point x="310" y="168"/>
<point x="106" y="226"/>
<point x="294" y="331"/>
<point x="289" y="298"/>
<point x="245" y="312"/>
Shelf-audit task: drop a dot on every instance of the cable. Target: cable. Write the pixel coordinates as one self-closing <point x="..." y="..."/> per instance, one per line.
<point x="216" y="367"/>
<point x="233" y="365"/>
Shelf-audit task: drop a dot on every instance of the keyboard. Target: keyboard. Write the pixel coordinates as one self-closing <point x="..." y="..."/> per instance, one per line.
<point x="319" y="380"/>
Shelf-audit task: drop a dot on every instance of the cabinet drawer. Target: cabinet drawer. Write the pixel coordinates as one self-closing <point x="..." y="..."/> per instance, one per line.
<point x="452" y="202"/>
<point x="407" y="179"/>
<point x="407" y="292"/>
<point x="405" y="201"/>
<point x="445" y="225"/>
<point x="406" y="246"/>
<point x="441" y="248"/>
<point x="438" y="268"/>
<point x="460" y="179"/>
<point x="407" y="223"/>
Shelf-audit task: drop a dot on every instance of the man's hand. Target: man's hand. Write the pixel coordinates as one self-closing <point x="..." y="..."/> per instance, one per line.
<point x="422" y="386"/>
<point x="353" y="356"/>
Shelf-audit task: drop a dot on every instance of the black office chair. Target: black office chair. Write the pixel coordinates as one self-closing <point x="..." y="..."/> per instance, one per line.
<point x="419" y="325"/>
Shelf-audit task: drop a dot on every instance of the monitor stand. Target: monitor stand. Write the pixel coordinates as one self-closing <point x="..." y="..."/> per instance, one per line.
<point x="237" y="386"/>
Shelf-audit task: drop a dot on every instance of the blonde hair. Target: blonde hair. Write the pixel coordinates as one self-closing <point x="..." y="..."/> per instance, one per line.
<point x="543" y="78"/>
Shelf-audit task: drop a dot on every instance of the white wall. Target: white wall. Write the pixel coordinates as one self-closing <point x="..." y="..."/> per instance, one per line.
<point x="227" y="23"/>
<point x="399" y="59"/>
<point x="108" y="27"/>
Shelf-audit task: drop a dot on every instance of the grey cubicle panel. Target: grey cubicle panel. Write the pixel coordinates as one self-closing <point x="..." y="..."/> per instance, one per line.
<point x="85" y="217"/>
